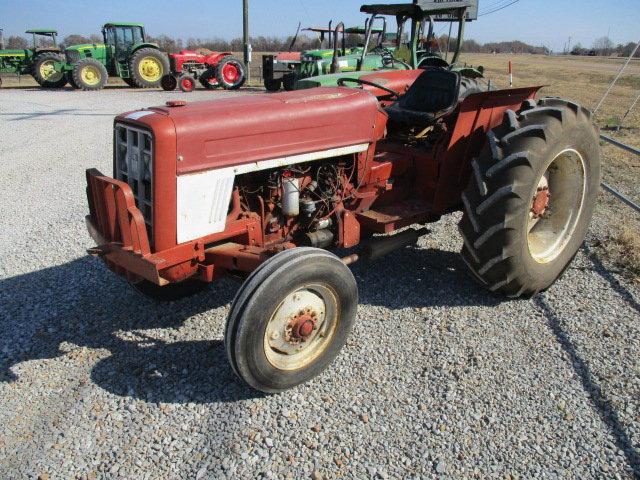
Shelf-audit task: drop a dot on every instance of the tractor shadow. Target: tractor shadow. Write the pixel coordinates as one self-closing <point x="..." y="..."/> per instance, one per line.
<point x="420" y="277"/>
<point x="600" y="401"/>
<point x="80" y="305"/>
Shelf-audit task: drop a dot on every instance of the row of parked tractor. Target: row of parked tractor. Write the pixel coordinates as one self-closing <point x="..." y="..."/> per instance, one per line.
<point x="126" y="53"/>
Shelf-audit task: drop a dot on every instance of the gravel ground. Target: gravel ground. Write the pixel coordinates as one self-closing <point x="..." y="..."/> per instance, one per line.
<point x="439" y="380"/>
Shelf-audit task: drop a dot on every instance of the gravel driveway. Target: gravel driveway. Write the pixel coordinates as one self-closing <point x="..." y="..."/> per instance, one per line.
<point x="440" y="379"/>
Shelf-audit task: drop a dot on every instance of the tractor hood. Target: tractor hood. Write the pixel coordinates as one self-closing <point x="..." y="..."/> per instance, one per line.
<point x="252" y="128"/>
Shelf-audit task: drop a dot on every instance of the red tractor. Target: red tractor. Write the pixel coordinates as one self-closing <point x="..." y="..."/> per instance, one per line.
<point x="212" y="70"/>
<point x="270" y="188"/>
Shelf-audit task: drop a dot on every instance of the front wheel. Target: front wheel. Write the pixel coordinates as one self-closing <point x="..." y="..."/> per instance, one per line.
<point x="168" y="83"/>
<point x="290" y="319"/>
<point x="89" y="74"/>
<point x="187" y="83"/>
<point x="148" y="66"/>
<point x="531" y="196"/>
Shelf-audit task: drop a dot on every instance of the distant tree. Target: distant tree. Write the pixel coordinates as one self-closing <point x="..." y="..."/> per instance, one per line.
<point x="626" y="50"/>
<point x="603" y="46"/>
<point x="17" y="42"/>
<point x="75" y="39"/>
<point x="167" y="43"/>
<point x="578" y="49"/>
<point x="471" y="46"/>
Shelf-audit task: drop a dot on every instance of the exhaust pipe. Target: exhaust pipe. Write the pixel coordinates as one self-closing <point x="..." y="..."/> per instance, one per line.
<point x="384" y="245"/>
<point x="381" y="247"/>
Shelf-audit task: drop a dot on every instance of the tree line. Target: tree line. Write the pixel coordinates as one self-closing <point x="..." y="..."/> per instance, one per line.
<point x="603" y="46"/>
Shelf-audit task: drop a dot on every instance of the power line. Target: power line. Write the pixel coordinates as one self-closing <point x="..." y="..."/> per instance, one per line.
<point x="498" y="9"/>
<point x="494" y="4"/>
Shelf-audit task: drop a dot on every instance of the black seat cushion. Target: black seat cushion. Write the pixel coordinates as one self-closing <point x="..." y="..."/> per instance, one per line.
<point x="434" y="92"/>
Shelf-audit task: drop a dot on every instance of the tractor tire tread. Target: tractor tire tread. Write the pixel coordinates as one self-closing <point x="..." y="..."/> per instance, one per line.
<point x="500" y="183"/>
<point x="135" y="76"/>
<point x="77" y="78"/>
<point x="36" y="71"/>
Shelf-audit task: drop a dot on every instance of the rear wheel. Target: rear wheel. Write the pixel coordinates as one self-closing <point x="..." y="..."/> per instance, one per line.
<point x="531" y="197"/>
<point x="290" y="319"/>
<point x="90" y="74"/>
<point x="45" y="73"/>
<point x="147" y="67"/>
<point x="187" y="83"/>
<point x="272" y="85"/>
<point x="230" y="73"/>
<point x="168" y="83"/>
<point x="289" y="81"/>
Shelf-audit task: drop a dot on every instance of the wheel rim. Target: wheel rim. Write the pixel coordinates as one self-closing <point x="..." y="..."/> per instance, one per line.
<point x="48" y="71"/>
<point x="556" y="206"/>
<point x="150" y="69"/>
<point x="301" y="328"/>
<point x="230" y="73"/>
<point x="90" y="75"/>
<point x="187" y="84"/>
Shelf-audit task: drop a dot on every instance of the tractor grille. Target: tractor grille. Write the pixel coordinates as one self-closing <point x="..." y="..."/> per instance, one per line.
<point x="72" y="56"/>
<point x="133" y="151"/>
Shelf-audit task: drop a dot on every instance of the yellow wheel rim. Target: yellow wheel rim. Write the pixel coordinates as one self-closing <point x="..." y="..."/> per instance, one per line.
<point x="48" y="71"/>
<point x="150" y="69"/>
<point x="90" y="75"/>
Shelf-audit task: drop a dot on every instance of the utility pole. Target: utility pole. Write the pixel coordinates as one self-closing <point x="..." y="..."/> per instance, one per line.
<point x="245" y="37"/>
<point x="1" y="39"/>
<point x="569" y="47"/>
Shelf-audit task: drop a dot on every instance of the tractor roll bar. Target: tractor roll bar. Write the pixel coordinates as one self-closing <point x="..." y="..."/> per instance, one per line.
<point x="369" y="29"/>
<point x="334" y="60"/>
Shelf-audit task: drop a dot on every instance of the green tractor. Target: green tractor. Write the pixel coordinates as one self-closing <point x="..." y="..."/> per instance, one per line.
<point x="318" y="62"/>
<point x="284" y="68"/>
<point x="421" y="51"/>
<point x="38" y="61"/>
<point x="125" y="53"/>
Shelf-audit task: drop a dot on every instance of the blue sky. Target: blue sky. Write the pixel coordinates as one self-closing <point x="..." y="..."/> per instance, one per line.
<point x="548" y="22"/>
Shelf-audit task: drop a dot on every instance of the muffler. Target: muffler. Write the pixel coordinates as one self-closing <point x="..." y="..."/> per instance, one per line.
<point x="383" y="245"/>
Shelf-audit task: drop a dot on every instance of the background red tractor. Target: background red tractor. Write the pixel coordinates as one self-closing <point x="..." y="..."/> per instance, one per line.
<point x="212" y="70"/>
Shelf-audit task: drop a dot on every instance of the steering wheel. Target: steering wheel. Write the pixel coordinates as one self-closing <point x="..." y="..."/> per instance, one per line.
<point x="359" y="81"/>
<point x="385" y="54"/>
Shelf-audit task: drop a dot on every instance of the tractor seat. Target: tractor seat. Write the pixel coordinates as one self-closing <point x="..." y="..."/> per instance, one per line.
<point x="434" y="93"/>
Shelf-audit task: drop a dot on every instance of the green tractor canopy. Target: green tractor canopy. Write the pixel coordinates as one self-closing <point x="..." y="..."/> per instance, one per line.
<point x="419" y="52"/>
